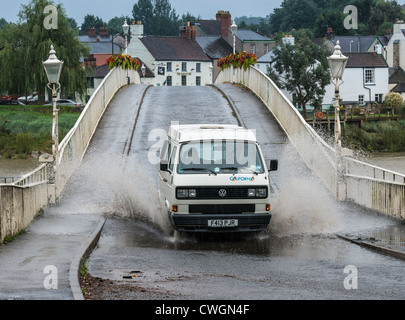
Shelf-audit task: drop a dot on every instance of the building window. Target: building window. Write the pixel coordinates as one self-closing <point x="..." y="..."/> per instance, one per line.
<point x="183" y="80"/>
<point x="169" y="81"/>
<point x="90" y="83"/>
<point x="198" y="81"/>
<point x="252" y="48"/>
<point x="369" y="76"/>
<point x="198" y="67"/>
<point x="169" y="67"/>
<point x="361" y="99"/>
<point x="267" y="47"/>
<point x="184" y="66"/>
<point x="378" y="97"/>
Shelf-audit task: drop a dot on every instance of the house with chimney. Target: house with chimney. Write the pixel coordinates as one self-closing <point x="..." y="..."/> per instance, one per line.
<point x="365" y="77"/>
<point x="174" y="61"/>
<point x="216" y="39"/>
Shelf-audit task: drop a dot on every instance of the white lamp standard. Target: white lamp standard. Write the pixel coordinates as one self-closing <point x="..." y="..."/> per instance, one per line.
<point x="337" y="63"/>
<point x="125" y="28"/>
<point x="143" y="69"/>
<point x="53" y="68"/>
<point x="234" y="29"/>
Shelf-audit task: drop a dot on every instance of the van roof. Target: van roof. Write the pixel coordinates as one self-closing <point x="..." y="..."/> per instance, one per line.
<point x="196" y="132"/>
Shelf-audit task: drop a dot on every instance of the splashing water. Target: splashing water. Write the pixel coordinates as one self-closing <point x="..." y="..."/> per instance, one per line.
<point x="102" y="185"/>
<point x="302" y="205"/>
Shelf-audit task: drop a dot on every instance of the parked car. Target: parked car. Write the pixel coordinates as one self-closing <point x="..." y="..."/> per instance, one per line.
<point x="11" y="102"/>
<point x="31" y="98"/>
<point x="65" y="102"/>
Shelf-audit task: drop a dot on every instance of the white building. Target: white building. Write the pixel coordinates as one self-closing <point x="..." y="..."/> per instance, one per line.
<point x="175" y="61"/>
<point x="365" y="80"/>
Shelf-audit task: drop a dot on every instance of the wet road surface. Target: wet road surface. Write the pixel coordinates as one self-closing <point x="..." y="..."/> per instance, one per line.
<point x="299" y="257"/>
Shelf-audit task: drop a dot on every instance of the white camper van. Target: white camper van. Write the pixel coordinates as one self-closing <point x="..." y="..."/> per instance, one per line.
<point x="213" y="178"/>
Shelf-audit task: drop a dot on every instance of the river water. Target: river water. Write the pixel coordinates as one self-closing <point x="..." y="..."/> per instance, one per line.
<point x="17" y="167"/>
<point x="392" y="161"/>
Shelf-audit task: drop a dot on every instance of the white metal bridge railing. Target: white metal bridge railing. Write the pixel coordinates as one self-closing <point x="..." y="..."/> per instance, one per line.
<point x="370" y="186"/>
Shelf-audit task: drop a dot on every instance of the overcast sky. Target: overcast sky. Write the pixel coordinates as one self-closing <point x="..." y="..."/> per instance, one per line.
<point x="107" y="9"/>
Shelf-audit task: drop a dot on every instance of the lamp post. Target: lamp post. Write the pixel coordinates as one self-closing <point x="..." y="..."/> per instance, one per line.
<point x="53" y="68"/>
<point x="337" y="63"/>
<point x="143" y="69"/>
<point x="234" y="29"/>
<point x="125" y="28"/>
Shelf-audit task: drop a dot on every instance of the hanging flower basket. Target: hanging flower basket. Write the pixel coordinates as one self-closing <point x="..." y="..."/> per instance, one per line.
<point x="239" y="60"/>
<point x="125" y="61"/>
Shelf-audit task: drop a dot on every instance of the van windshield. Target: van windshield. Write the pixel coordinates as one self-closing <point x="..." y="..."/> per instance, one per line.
<point x="220" y="156"/>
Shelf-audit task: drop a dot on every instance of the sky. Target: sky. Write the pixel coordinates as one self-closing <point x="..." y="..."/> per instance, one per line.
<point x="107" y="9"/>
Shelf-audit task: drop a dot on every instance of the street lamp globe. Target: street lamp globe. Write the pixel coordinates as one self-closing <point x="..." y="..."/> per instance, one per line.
<point x="125" y="28"/>
<point x="234" y="27"/>
<point x="337" y="63"/>
<point x="53" y="67"/>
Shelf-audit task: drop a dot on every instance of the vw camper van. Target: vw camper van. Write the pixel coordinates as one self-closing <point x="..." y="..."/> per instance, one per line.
<point x="213" y="178"/>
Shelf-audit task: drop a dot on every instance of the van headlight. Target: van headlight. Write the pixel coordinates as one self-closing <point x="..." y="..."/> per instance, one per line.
<point x="182" y="193"/>
<point x="257" y="193"/>
<point x="262" y="193"/>
<point x="251" y="192"/>
<point x="186" y="193"/>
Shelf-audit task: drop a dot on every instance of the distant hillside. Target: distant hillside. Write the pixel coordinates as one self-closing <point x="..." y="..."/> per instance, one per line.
<point x="250" y="20"/>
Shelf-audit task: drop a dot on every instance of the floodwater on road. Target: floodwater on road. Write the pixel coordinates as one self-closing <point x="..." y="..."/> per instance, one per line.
<point x="299" y="257"/>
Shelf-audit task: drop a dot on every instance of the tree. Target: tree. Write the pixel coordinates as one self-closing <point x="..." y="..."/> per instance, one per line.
<point x="115" y="24"/>
<point x="393" y="100"/>
<point x="91" y="21"/>
<point x="3" y="23"/>
<point x="302" y="70"/>
<point x="27" y="45"/>
<point x="157" y="16"/>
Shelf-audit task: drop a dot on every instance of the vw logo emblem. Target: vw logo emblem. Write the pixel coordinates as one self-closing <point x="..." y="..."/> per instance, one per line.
<point x="222" y="193"/>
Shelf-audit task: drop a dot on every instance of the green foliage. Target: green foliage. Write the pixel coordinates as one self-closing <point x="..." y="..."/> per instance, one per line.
<point x="91" y="21"/>
<point x="393" y="100"/>
<point x="27" y="44"/>
<point x="302" y="70"/>
<point x="157" y="16"/>
<point x="27" y="130"/>
<point x="297" y="14"/>
<point x="376" y="136"/>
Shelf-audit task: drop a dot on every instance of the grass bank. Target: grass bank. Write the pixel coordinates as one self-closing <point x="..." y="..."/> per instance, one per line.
<point x="24" y="129"/>
<point x="382" y="136"/>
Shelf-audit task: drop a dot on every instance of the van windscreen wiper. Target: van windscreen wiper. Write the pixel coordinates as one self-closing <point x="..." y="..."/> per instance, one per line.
<point x="198" y="169"/>
<point x="237" y="168"/>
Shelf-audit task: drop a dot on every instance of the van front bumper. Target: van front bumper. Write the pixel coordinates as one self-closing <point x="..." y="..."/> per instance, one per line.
<point x="199" y="222"/>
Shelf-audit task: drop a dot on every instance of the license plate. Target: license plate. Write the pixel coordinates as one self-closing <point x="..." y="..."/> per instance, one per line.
<point x="223" y="223"/>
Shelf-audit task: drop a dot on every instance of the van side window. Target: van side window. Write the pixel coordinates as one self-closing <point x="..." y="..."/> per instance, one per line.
<point x="164" y="155"/>
<point x="171" y="162"/>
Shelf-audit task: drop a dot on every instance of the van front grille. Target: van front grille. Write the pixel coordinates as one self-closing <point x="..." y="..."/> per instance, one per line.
<point x="222" y="208"/>
<point x="223" y="192"/>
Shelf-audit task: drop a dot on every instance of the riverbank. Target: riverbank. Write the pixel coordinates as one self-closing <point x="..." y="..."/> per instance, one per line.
<point x="372" y="136"/>
<point x="26" y="130"/>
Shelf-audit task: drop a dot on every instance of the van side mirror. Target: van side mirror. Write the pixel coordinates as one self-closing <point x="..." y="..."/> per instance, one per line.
<point x="272" y="165"/>
<point x="164" y="166"/>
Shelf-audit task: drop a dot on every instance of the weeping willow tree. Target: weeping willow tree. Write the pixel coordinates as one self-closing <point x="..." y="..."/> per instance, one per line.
<point x="26" y="45"/>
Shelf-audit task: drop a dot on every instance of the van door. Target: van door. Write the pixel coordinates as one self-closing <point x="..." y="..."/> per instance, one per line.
<point x="166" y="173"/>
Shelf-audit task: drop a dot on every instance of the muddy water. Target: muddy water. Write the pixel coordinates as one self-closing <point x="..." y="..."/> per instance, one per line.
<point x="17" y="167"/>
<point x="391" y="161"/>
